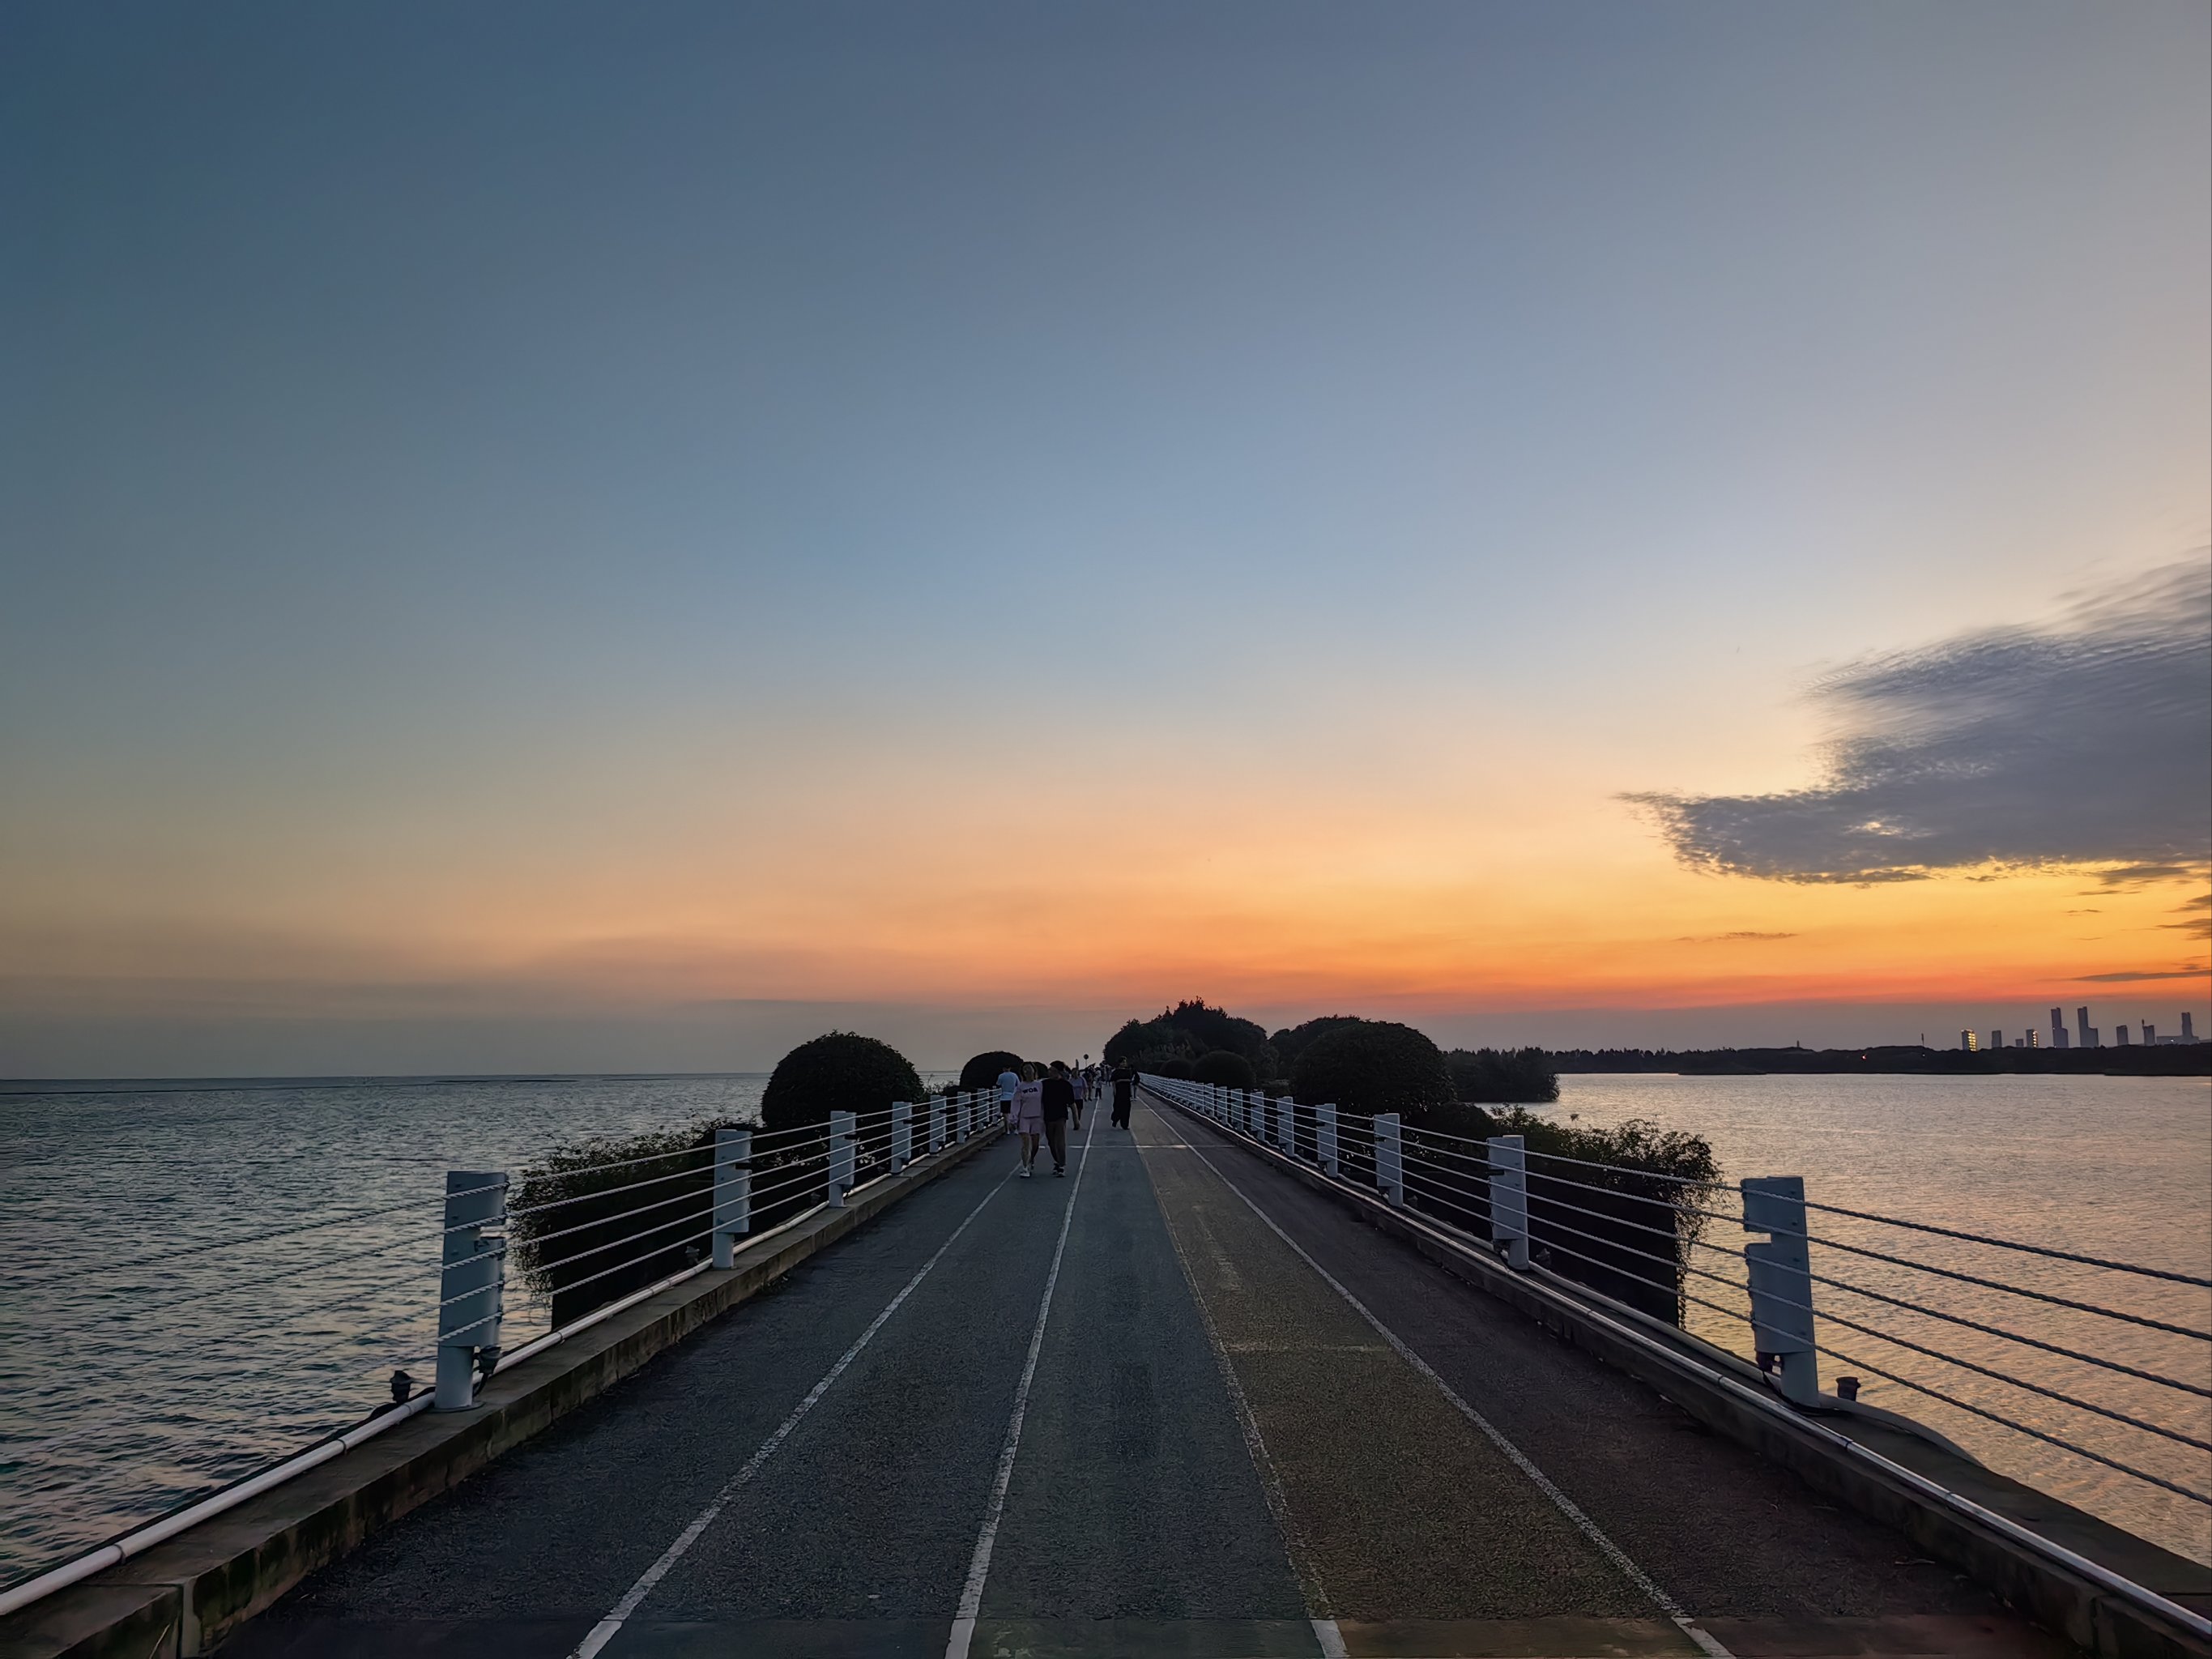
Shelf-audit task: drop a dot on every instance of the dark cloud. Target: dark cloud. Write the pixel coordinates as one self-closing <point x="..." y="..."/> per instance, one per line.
<point x="2087" y="744"/>
<point x="2116" y="979"/>
<point x="1724" y="938"/>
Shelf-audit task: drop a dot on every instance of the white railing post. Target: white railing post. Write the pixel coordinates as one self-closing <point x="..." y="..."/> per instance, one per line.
<point x="1286" y="1125"/>
<point x="472" y="1283"/>
<point x="902" y="1134"/>
<point x="733" y="1192"/>
<point x="841" y="1157"/>
<point x="1325" y="1137"/>
<point x="1390" y="1157"/>
<point x="937" y="1123"/>
<point x="1780" y="1269"/>
<point x="1509" y="1197"/>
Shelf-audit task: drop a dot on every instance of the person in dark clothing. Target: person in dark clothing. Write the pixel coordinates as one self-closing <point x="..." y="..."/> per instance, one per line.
<point x="1059" y="1102"/>
<point x="1125" y="1079"/>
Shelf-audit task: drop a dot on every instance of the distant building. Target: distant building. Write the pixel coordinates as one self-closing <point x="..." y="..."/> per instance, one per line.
<point x="2187" y="1028"/>
<point x="1997" y="1039"/>
<point x="1969" y="1042"/>
<point x="2034" y="1038"/>
<point x="2120" y="1036"/>
<point x="2088" y="1032"/>
<point x="2150" y="1034"/>
<point x="2059" y="1028"/>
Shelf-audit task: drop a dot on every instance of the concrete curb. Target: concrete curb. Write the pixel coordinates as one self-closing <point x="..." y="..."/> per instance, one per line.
<point x="2045" y="1590"/>
<point x="183" y="1595"/>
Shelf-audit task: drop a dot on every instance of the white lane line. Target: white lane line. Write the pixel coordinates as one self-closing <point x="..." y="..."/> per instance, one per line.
<point x="1310" y="1588"/>
<point x="979" y="1565"/>
<point x="1520" y="1460"/>
<point x="604" y="1631"/>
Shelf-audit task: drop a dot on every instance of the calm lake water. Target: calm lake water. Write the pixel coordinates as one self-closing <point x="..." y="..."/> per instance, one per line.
<point x="126" y="1388"/>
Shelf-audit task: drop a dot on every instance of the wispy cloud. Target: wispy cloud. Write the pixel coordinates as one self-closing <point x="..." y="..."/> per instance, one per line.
<point x="1725" y="939"/>
<point x="2089" y="743"/>
<point x="2124" y="978"/>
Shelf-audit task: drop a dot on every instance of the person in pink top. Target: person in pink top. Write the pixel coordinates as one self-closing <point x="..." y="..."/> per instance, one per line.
<point x="1026" y="1117"/>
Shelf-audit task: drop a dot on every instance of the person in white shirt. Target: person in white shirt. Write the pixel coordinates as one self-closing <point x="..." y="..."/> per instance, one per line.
<point x="1026" y="1115"/>
<point x="1009" y="1081"/>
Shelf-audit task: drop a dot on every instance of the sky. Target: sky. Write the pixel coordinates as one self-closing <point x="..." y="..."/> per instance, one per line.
<point x="616" y="539"/>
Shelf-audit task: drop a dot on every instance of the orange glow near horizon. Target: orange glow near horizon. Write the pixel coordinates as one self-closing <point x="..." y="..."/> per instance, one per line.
<point x="1426" y="905"/>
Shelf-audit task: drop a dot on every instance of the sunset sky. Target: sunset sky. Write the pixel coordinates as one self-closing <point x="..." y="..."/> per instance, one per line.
<point x="615" y="537"/>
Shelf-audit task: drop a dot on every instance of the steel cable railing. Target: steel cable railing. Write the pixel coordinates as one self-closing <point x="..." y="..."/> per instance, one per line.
<point x="663" y="1218"/>
<point x="2024" y="1385"/>
<point x="167" y="1256"/>
<point x="2014" y="1244"/>
<point x="1986" y="1239"/>
<point x="1450" y="1175"/>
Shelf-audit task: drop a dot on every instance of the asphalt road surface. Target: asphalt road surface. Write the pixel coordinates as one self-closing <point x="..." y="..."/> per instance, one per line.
<point x="1171" y="1403"/>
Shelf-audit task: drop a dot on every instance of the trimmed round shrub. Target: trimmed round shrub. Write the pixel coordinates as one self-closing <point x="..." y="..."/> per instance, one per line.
<point x="840" y="1071"/>
<point x="1180" y="1069"/>
<point x="982" y="1072"/>
<point x="1376" y="1066"/>
<point x="1226" y="1068"/>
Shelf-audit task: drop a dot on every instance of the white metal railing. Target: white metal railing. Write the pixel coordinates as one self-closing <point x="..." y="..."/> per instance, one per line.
<point x="1600" y="1224"/>
<point x="693" y="1208"/>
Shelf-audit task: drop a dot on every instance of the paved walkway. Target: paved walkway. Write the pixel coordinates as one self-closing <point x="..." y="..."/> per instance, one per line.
<point x="1173" y="1403"/>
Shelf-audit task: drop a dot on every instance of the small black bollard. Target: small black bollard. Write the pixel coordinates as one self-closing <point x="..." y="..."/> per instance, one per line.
<point x="1847" y="1388"/>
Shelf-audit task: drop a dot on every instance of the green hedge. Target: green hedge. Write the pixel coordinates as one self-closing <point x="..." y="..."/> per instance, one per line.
<point x="839" y="1072"/>
<point x="1372" y="1065"/>
<point x="1228" y="1069"/>
<point x="1504" y="1077"/>
<point x="1625" y="1230"/>
<point x="982" y="1072"/>
<point x="626" y="1213"/>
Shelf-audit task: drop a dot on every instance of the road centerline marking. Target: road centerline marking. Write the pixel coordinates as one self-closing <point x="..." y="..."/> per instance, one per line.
<point x="604" y="1631"/>
<point x="1319" y="1615"/>
<point x="979" y="1565"/>
<point x="1566" y="1505"/>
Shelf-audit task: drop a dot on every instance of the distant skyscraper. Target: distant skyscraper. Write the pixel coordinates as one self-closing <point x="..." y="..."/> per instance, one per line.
<point x="1997" y="1039"/>
<point x="1969" y="1042"/>
<point x="2082" y="1024"/>
<point x="2187" y="1028"/>
<point x="2150" y="1034"/>
<point x="2034" y="1037"/>
<point x="2120" y="1036"/>
<point x="2059" y="1028"/>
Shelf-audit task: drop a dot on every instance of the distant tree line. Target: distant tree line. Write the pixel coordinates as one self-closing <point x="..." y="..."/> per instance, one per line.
<point x="1195" y="1040"/>
<point x="2166" y="1061"/>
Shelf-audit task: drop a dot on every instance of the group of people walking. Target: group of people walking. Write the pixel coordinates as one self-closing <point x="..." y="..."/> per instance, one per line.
<point x="1042" y="1102"/>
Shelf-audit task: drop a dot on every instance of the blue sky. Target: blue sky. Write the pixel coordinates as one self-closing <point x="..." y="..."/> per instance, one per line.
<point x="471" y="476"/>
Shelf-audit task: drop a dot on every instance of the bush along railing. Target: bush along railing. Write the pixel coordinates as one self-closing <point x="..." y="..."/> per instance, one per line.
<point x="2114" y="1374"/>
<point x="597" y="1220"/>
